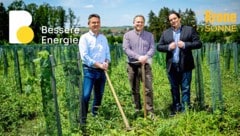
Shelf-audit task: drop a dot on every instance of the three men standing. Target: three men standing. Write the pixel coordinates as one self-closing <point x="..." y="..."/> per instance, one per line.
<point x="178" y="41"/>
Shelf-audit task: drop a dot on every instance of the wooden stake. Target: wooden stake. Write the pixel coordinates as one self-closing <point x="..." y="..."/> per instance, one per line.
<point x="144" y="90"/>
<point x="118" y="103"/>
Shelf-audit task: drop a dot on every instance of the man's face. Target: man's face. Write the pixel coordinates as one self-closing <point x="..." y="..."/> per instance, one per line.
<point x="94" y="24"/>
<point x="138" y="23"/>
<point x="174" y="21"/>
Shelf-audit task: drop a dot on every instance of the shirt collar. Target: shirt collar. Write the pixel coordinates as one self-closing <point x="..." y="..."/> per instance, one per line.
<point x="178" y="30"/>
<point x="138" y="33"/>
<point x="91" y="33"/>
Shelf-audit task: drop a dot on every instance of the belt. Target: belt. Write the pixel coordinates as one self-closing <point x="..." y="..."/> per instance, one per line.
<point x="176" y="66"/>
<point x="91" y="68"/>
<point x="136" y="64"/>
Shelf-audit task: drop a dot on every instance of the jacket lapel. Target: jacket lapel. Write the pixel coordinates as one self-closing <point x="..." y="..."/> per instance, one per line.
<point x="182" y="33"/>
<point x="170" y="33"/>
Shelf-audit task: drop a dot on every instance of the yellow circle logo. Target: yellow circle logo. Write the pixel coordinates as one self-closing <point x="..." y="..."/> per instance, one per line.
<point x="25" y="34"/>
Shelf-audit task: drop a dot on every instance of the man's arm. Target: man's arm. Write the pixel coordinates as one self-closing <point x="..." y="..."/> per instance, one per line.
<point x="84" y="51"/>
<point x="162" y="46"/>
<point x="195" y="42"/>
<point x="151" y="51"/>
<point x="127" y="49"/>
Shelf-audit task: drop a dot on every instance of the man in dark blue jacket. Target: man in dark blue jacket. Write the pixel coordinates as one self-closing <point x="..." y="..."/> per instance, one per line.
<point x="178" y="41"/>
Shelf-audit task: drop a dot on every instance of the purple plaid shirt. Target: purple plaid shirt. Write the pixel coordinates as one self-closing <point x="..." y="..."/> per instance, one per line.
<point x="138" y="44"/>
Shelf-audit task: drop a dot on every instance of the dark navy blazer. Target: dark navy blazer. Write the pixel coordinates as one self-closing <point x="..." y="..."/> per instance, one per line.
<point x="191" y="39"/>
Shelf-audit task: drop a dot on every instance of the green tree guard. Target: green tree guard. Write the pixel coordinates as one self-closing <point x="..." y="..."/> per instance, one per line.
<point x="227" y="56"/>
<point x="216" y="85"/>
<point x="54" y="91"/>
<point x="29" y="55"/>
<point x="17" y="70"/>
<point x="5" y="62"/>
<point x="72" y="81"/>
<point x="235" y="58"/>
<point x="47" y="94"/>
<point x="199" y="79"/>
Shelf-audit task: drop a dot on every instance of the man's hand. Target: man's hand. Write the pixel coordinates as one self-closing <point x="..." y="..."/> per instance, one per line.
<point x="103" y="66"/>
<point x="181" y="44"/>
<point x="143" y="59"/>
<point x="172" y="46"/>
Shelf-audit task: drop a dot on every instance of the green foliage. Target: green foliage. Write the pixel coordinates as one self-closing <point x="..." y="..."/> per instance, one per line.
<point x="4" y="24"/>
<point x="23" y="114"/>
<point x="157" y="24"/>
<point x="114" y="40"/>
<point x="16" y="108"/>
<point x="235" y="36"/>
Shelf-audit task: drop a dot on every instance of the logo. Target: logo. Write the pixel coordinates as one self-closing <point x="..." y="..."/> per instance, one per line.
<point x="19" y="30"/>
<point x="225" y="22"/>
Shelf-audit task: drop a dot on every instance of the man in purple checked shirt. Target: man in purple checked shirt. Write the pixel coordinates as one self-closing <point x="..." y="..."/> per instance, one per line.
<point x="138" y="45"/>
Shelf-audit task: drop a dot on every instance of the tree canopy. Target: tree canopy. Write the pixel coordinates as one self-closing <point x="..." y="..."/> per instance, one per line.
<point x="158" y="23"/>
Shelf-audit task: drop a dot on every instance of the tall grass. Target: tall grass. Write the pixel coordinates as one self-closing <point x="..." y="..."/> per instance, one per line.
<point x="24" y="111"/>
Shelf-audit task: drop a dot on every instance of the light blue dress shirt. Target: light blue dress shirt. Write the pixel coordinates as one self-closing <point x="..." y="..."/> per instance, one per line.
<point x="93" y="48"/>
<point x="176" y="51"/>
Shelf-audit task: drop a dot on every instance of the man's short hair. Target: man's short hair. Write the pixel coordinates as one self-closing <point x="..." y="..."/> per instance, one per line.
<point x="139" y="16"/>
<point x="174" y="12"/>
<point x="93" y="15"/>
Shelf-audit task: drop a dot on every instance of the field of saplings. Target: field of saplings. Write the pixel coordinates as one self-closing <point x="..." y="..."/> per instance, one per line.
<point x="40" y="89"/>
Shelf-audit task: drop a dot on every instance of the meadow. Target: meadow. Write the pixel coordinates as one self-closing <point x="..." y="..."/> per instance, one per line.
<point x="34" y="108"/>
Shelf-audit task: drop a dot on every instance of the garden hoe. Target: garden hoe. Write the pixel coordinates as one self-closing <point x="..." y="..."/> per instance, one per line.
<point x="118" y="103"/>
<point x="144" y="90"/>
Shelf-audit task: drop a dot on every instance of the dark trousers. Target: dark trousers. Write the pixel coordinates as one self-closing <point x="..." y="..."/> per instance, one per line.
<point x="94" y="79"/>
<point x="135" y="76"/>
<point x="180" y="80"/>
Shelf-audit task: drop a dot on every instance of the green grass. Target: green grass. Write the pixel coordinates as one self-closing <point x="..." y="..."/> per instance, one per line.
<point x="109" y="122"/>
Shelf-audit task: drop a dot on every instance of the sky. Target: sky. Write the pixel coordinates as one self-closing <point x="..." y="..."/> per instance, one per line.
<point x="121" y="12"/>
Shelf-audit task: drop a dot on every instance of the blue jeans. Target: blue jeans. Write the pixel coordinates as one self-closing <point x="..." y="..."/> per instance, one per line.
<point x="94" y="79"/>
<point x="180" y="80"/>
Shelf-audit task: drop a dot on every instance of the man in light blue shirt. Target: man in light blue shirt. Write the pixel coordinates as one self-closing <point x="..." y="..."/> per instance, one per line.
<point x="95" y="55"/>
